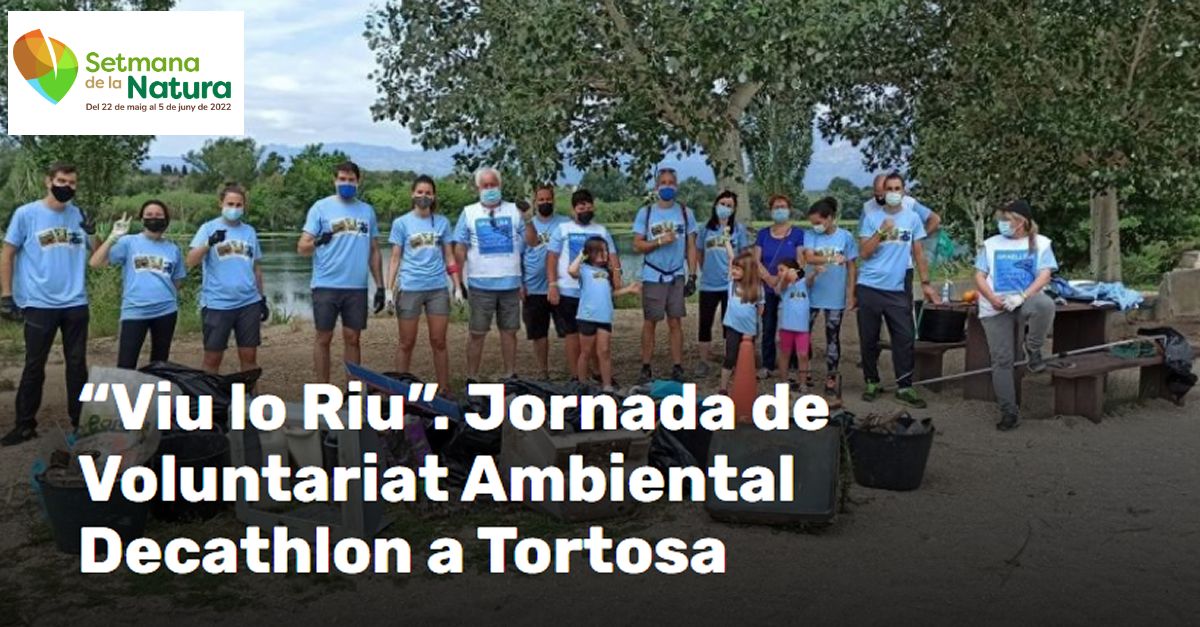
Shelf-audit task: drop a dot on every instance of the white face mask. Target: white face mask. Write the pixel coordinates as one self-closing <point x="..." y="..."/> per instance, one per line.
<point x="819" y="229"/>
<point x="893" y="198"/>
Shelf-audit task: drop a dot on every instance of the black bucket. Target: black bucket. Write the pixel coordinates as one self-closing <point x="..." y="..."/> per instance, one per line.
<point x="198" y="449"/>
<point x="888" y="461"/>
<point x="70" y="509"/>
<point x="941" y="325"/>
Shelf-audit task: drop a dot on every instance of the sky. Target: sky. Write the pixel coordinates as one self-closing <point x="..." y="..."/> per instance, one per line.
<point x="306" y="75"/>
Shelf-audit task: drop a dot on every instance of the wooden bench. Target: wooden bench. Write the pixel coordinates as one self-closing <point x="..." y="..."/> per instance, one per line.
<point x="928" y="359"/>
<point x="1079" y="391"/>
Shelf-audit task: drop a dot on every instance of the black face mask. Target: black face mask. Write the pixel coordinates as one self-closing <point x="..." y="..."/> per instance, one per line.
<point x="62" y="193"/>
<point x="422" y="202"/>
<point x="545" y="209"/>
<point x="155" y="225"/>
<point x="585" y="217"/>
<point x="880" y="200"/>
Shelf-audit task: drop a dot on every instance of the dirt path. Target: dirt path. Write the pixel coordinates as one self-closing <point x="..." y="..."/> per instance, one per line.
<point x="1064" y="521"/>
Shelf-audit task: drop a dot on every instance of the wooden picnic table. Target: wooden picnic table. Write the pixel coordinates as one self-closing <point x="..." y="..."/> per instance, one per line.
<point x="1076" y="325"/>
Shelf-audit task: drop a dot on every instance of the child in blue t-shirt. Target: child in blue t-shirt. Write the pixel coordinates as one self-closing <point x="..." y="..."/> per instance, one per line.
<point x="744" y="308"/>
<point x="831" y="254"/>
<point x="792" y="288"/>
<point x="598" y="285"/>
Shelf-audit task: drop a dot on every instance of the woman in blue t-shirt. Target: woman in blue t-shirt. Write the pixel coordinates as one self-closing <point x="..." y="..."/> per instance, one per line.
<point x="780" y="241"/>
<point x="721" y="228"/>
<point x="421" y="260"/>
<point x="153" y="269"/>
<point x="597" y="288"/>
<point x="831" y="253"/>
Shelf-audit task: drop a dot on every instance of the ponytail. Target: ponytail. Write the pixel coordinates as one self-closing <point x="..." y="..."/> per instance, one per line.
<point x="1033" y="234"/>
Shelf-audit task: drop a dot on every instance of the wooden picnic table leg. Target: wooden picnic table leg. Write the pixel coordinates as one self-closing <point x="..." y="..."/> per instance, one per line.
<point x="978" y="357"/>
<point x="928" y="365"/>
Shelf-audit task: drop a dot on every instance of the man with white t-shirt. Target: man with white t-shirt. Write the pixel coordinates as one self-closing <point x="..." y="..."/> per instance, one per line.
<point x="566" y="241"/>
<point x="1011" y="271"/>
<point x="489" y="239"/>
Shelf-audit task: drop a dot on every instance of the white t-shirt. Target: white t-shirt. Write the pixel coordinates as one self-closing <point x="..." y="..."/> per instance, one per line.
<point x="1011" y="267"/>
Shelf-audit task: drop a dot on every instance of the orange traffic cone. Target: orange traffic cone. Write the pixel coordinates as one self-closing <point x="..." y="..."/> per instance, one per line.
<point x="745" y="381"/>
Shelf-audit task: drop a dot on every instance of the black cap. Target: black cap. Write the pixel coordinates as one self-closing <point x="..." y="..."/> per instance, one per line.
<point x="1021" y="208"/>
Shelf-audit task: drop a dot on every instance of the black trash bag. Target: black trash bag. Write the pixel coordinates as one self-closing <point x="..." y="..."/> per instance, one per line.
<point x="1177" y="357"/>
<point x="668" y="451"/>
<point x="193" y="382"/>
<point x="546" y="389"/>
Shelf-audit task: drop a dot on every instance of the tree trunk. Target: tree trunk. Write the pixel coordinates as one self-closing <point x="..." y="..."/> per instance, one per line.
<point x="1106" y="236"/>
<point x="729" y="165"/>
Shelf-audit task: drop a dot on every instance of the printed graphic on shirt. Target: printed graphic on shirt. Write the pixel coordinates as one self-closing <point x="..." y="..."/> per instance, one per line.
<point x="575" y="242"/>
<point x="717" y="241"/>
<point x="666" y="226"/>
<point x="153" y="263"/>
<point x="494" y="235"/>
<point x="543" y="238"/>
<point x="349" y="226"/>
<point x="417" y="241"/>
<point x="59" y="236"/>
<point x="234" y="249"/>
<point x="1013" y="270"/>
<point x="896" y="235"/>
<point x="796" y="295"/>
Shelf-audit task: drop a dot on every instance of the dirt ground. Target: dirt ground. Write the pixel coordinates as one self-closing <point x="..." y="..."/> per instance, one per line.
<point x="1062" y="521"/>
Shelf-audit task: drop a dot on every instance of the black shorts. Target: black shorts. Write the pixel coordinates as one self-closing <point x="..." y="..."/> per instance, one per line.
<point x="538" y="313"/>
<point x="329" y="304"/>
<point x="567" y="310"/>
<point x="244" y="323"/>
<point x="587" y="328"/>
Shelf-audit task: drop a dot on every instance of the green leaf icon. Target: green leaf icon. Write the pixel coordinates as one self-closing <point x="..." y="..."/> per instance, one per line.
<point x="47" y="64"/>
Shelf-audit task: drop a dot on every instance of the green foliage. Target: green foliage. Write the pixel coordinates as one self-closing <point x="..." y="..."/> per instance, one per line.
<point x="850" y="197"/>
<point x="104" y="162"/>
<point x="610" y="184"/>
<point x="778" y="137"/>
<point x="225" y="160"/>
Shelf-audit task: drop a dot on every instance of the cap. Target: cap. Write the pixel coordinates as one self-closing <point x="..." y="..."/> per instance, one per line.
<point x="1021" y="208"/>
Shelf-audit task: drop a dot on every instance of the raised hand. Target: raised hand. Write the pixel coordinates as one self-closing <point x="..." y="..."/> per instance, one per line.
<point x="120" y="228"/>
<point x="217" y="237"/>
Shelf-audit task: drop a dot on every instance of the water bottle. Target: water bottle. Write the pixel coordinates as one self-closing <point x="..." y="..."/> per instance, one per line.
<point x="946" y="291"/>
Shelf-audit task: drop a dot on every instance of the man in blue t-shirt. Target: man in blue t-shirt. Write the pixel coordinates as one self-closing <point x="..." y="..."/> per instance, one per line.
<point x="929" y="218"/>
<point x="537" y="310"/>
<point x="231" y="290"/>
<point x="42" y="282"/>
<point x="888" y="239"/>
<point x="665" y="233"/>
<point x="340" y="233"/>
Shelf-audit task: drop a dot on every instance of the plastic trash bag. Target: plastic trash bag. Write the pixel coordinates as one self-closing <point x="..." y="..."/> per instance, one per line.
<point x="1177" y="357"/>
<point x="898" y="423"/>
<point x="101" y="432"/>
<point x="195" y="383"/>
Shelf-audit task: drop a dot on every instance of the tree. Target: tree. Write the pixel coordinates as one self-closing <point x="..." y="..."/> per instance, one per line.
<point x="104" y="162"/>
<point x="541" y="82"/>
<point x="849" y="196"/>
<point x="778" y="134"/>
<point x="225" y="160"/>
<point x="610" y="184"/>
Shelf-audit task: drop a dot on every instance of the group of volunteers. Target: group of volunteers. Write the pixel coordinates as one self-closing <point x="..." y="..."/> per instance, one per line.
<point x="514" y="263"/>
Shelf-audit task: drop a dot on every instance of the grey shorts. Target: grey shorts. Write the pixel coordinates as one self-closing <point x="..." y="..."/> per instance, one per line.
<point x="660" y="300"/>
<point x="504" y="305"/>
<point x="409" y="303"/>
<point x="329" y="304"/>
<point x="245" y="324"/>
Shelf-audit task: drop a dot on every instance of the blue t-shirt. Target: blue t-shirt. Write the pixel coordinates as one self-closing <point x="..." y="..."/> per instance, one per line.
<point x="229" y="266"/>
<point x="595" y="294"/>
<point x="885" y="269"/>
<point x="151" y="268"/>
<point x="776" y="250"/>
<point x="344" y="262"/>
<point x="668" y="262"/>
<point x="535" y="257"/>
<point x="829" y="288"/>
<point x="794" y="307"/>
<point x="53" y="253"/>
<point x="740" y="316"/>
<point x="714" y="276"/>
<point x="423" y="264"/>
<point x="567" y="241"/>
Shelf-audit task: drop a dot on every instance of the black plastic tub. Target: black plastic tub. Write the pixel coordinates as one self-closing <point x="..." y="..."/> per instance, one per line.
<point x="198" y="449"/>
<point x="70" y="509"/>
<point x="888" y="461"/>
<point x="941" y="325"/>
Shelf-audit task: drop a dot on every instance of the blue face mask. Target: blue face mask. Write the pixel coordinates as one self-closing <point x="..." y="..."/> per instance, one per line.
<point x="347" y="190"/>
<point x="666" y="193"/>
<point x="490" y="196"/>
<point x="233" y="214"/>
<point x="781" y="214"/>
<point x="1006" y="228"/>
<point x="724" y="212"/>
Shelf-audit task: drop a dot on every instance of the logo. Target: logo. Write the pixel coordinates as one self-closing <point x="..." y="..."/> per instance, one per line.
<point x="47" y="63"/>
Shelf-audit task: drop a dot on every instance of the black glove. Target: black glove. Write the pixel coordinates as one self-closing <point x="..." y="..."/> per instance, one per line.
<point x="380" y="299"/>
<point x="216" y="238"/>
<point x="8" y="309"/>
<point x="323" y="239"/>
<point x="689" y="288"/>
<point x="264" y="312"/>
<point x="88" y="224"/>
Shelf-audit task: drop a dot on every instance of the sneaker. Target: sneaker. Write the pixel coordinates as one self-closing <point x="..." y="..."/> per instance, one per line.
<point x="1008" y="423"/>
<point x="909" y="397"/>
<point x="872" y="392"/>
<point x="18" y="435"/>
<point x="677" y="373"/>
<point x="645" y="376"/>
<point x="831" y="386"/>
<point x="1037" y="363"/>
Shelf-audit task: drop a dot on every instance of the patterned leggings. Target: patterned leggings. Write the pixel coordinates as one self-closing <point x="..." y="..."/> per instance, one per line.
<point x="833" y="336"/>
